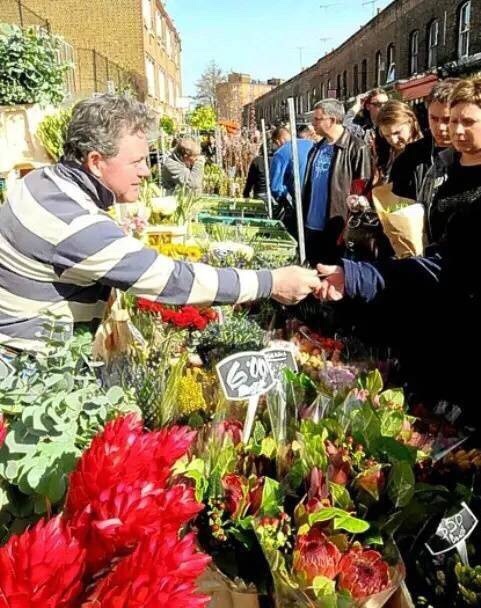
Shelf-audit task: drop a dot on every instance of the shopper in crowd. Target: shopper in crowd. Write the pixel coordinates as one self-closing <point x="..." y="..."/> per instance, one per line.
<point x="256" y="184"/>
<point x="209" y="149"/>
<point x="306" y="131"/>
<point x="61" y="253"/>
<point x="184" y="167"/>
<point x="434" y="301"/>
<point x="333" y="164"/>
<point x="410" y="168"/>
<point x="282" y="174"/>
<point x="399" y="126"/>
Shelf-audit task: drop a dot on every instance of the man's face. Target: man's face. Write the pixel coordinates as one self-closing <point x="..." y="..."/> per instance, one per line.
<point x="375" y="104"/>
<point x="465" y="128"/>
<point x="398" y="136"/>
<point x="322" y="123"/>
<point x="123" y="173"/>
<point x="190" y="160"/>
<point x="438" y="116"/>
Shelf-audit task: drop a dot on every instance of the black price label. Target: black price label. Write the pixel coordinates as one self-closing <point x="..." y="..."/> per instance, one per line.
<point x="452" y="531"/>
<point x="245" y="375"/>
<point x="280" y="358"/>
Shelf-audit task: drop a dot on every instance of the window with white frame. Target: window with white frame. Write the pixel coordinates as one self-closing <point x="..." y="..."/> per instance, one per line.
<point x="391" y="63"/>
<point x="158" y="24"/>
<point x="414" y="52"/>
<point x="433" y="42"/>
<point x="162" y="85"/>
<point x="147" y="13"/>
<point x="150" y="74"/>
<point x="378" y="69"/>
<point x="464" y="29"/>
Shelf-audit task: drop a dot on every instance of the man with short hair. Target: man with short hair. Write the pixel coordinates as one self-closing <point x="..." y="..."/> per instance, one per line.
<point x="410" y="167"/>
<point x="184" y="167"/>
<point x="61" y="253"/>
<point x="333" y="164"/>
<point x="282" y="175"/>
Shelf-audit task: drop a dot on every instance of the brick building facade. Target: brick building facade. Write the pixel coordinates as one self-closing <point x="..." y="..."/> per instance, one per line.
<point x="404" y="46"/>
<point x="134" y="37"/>
<point x="236" y="92"/>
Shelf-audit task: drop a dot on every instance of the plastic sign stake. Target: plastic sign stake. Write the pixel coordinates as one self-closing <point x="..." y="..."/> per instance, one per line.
<point x="453" y="532"/>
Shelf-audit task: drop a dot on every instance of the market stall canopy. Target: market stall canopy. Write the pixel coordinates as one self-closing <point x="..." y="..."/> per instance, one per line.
<point x="417" y="88"/>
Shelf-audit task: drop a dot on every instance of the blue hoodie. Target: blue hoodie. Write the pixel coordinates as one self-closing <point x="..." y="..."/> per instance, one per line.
<point x="282" y="173"/>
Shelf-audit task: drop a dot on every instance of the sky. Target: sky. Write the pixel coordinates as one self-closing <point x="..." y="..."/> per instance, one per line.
<point x="261" y="37"/>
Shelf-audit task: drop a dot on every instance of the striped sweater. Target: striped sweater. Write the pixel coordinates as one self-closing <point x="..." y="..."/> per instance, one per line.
<point x="61" y="253"/>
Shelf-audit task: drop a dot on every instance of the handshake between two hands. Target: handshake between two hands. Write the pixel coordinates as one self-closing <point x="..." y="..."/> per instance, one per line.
<point x="293" y="283"/>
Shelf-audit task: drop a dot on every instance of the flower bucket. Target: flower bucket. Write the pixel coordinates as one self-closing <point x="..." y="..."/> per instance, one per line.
<point x="165" y="233"/>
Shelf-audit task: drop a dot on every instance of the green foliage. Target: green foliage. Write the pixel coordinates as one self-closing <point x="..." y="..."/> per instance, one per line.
<point x="342" y="520"/>
<point x="52" y="132"/>
<point x="54" y="406"/>
<point x="30" y="71"/>
<point x="167" y="124"/>
<point x="203" y="118"/>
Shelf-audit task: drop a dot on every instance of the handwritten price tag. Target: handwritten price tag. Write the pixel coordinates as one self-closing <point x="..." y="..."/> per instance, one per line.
<point x="280" y="357"/>
<point x="453" y="532"/>
<point x="245" y="375"/>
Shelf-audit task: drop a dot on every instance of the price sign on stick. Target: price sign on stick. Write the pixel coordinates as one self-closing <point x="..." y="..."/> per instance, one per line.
<point x="246" y="376"/>
<point x="453" y="532"/>
<point x="280" y="357"/>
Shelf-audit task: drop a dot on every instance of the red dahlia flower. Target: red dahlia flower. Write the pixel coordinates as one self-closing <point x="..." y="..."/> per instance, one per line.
<point x="123" y="454"/>
<point x="42" y="567"/>
<point x="363" y="572"/>
<point x="3" y="430"/>
<point x="315" y="555"/>
<point x="122" y="516"/>
<point x="161" y="573"/>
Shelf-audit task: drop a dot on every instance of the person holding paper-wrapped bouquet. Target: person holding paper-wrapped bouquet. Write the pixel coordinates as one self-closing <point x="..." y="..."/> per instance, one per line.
<point x="435" y="299"/>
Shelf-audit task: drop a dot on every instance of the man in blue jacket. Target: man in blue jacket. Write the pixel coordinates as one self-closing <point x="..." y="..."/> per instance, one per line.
<point x="282" y="173"/>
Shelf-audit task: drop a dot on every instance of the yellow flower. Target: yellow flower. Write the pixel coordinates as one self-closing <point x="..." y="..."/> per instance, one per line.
<point x="191" y="253"/>
<point x="190" y="394"/>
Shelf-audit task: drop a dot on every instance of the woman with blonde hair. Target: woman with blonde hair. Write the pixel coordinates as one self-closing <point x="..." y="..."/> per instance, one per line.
<point x="399" y="126"/>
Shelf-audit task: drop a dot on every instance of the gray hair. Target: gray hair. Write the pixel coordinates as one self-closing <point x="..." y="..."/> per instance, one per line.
<point x="100" y="121"/>
<point x="332" y="108"/>
<point x="187" y="147"/>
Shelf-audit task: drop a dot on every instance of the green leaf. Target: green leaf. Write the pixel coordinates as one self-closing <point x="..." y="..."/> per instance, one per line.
<point x="392" y="397"/>
<point x="342" y="520"/>
<point x="340" y="495"/>
<point x="366" y="427"/>
<point x="374" y="383"/>
<point x="323" y="586"/>
<point x="395" y="451"/>
<point x="391" y="423"/>
<point x="272" y="498"/>
<point x="401" y="483"/>
<point x="268" y="447"/>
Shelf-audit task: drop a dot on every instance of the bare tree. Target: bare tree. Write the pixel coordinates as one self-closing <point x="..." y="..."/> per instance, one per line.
<point x="206" y="85"/>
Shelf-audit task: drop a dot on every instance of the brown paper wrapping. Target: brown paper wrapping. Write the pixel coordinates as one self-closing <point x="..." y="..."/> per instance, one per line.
<point x="404" y="227"/>
<point x="223" y="593"/>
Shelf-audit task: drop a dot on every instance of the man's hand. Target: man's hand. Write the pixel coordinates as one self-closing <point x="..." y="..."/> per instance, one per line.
<point x="292" y="284"/>
<point x="332" y="283"/>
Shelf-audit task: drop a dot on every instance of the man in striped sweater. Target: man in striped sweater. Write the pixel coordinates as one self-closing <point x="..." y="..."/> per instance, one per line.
<point x="61" y="253"/>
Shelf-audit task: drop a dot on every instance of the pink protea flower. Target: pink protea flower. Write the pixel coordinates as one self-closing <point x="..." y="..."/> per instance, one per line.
<point x="363" y="572"/>
<point x="315" y="555"/>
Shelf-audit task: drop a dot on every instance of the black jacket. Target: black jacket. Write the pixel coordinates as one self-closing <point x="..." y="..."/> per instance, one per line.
<point x="410" y="167"/>
<point x="351" y="161"/>
<point x="256" y="179"/>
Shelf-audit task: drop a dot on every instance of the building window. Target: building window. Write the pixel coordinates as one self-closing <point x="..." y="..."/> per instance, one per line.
<point x="379" y="66"/>
<point x="158" y="25"/>
<point x="150" y="74"/>
<point x="355" y="80"/>
<point x="168" y="42"/>
<point x="391" y="63"/>
<point x="344" y="84"/>
<point x="414" y="52"/>
<point x="338" y="87"/>
<point x="147" y="13"/>
<point x="162" y="87"/>
<point x="308" y="101"/>
<point x="171" y="92"/>
<point x="464" y="27"/>
<point x="364" y="75"/>
<point x="433" y="41"/>
<point x="323" y="91"/>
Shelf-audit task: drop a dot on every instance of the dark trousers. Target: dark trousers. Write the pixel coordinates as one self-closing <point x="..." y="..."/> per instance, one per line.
<point x="323" y="246"/>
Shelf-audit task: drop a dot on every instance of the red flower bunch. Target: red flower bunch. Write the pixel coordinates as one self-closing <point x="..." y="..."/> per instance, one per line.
<point x="243" y="496"/>
<point x="3" y="430"/>
<point x="124" y="454"/>
<point x="187" y="317"/>
<point x="315" y="555"/>
<point x="363" y="572"/>
<point x="169" y="568"/>
<point x="43" y="566"/>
